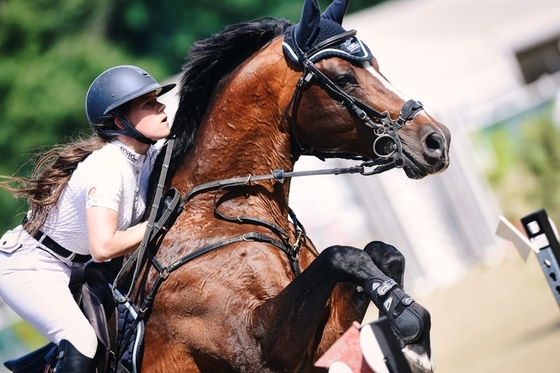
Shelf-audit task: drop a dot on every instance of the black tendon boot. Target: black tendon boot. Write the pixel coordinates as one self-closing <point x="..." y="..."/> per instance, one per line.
<point x="71" y="360"/>
<point x="394" y="303"/>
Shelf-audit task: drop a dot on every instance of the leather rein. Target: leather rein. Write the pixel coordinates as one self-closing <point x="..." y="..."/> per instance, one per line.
<point x="382" y="125"/>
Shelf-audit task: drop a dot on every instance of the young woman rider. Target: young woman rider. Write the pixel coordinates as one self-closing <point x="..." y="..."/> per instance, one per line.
<point x="86" y="199"/>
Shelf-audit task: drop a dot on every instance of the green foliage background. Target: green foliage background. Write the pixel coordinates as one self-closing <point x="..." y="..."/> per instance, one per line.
<point x="50" y="51"/>
<point x="524" y="171"/>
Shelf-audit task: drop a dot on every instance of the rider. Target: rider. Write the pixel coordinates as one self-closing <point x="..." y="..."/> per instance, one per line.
<point x="86" y="199"/>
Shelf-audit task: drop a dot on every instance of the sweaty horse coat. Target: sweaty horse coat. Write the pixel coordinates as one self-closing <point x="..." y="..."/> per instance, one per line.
<point x="253" y="99"/>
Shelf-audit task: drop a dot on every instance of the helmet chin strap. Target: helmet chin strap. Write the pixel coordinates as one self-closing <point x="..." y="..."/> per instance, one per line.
<point x="129" y="131"/>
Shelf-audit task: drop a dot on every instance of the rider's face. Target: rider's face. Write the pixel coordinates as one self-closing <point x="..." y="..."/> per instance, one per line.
<point x="147" y="115"/>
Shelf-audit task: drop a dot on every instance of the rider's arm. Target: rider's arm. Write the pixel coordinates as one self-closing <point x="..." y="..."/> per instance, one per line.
<point x="105" y="241"/>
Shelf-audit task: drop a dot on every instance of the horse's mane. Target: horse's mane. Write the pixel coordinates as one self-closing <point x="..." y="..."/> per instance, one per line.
<point x="207" y="63"/>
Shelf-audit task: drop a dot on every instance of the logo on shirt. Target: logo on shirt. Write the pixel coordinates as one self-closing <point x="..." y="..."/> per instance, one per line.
<point x="127" y="153"/>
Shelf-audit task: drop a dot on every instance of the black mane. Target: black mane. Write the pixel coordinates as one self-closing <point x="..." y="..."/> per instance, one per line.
<point x="207" y="63"/>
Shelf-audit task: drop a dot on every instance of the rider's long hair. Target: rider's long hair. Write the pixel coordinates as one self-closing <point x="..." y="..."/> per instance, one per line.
<point x="51" y="173"/>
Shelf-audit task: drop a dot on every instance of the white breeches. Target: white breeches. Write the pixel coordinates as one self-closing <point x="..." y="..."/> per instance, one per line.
<point x="34" y="283"/>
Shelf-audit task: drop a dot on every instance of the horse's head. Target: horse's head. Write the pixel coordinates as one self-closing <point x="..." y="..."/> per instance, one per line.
<point x="344" y="107"/>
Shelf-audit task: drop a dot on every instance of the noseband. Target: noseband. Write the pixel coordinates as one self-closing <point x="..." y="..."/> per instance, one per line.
<point x="383" y="126"/>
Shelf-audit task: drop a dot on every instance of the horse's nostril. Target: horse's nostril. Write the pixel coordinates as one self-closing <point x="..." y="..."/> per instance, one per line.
<point x="435" y="142"/>
<point x="434" y="148"/>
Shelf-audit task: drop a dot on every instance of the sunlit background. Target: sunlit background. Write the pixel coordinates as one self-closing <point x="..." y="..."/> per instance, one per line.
<point x="488" y="69"/>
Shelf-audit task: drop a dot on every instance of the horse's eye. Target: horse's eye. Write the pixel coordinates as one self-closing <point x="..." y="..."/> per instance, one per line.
<point x="344" y="80"/>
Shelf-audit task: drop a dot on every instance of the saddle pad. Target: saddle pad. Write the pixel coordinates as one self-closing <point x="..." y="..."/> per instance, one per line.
<point x="130" y="339"/>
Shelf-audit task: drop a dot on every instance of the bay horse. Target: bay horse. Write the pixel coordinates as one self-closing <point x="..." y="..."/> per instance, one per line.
<point x="241" y="287"/>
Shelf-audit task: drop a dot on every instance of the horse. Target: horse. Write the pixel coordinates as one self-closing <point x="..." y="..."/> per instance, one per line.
<point x="241" y="288"/>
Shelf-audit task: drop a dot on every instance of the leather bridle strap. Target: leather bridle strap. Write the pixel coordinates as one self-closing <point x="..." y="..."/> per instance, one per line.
<point x="248" y="219"/>
<point x="138" y="255"/>
<point x="383" y="126"/>
<point x="165" y="271"/>
<point x="279" y="175"/>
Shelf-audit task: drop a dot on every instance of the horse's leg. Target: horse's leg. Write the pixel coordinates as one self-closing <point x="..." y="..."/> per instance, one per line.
<point x="392" y="262"/>
<point x="299" y="306"/>
<point x="348" y="304"/>
<point x="406" y="317"/>
<point x="344" y="308"/>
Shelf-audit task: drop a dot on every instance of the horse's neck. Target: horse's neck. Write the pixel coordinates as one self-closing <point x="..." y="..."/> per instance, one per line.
<point x="225" y="149"/>
<point x="242" y="135"/>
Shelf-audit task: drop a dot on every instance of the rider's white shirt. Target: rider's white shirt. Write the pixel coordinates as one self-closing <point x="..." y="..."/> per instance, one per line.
<point x="120" y="177"/>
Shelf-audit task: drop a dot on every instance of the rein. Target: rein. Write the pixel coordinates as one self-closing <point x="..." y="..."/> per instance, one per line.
<point x="155" y="231"/>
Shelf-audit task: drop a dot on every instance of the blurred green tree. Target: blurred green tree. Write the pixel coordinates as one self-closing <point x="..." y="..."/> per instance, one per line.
<point x="50" y="54"/>
<point x="540" y="156"/>
<point x="148" y="28"/>
<point x="525" y="170"/>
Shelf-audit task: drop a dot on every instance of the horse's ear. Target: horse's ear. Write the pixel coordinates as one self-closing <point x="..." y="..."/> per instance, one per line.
<point x="308" y="27"/>
<point x="336" y="11"/>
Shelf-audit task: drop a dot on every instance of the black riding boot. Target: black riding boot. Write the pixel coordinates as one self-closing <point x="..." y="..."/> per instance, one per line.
<point x="71" y="360"/>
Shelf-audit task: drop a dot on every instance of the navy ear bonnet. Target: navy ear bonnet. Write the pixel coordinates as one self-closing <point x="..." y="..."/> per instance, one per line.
<point x="299" y="44"/>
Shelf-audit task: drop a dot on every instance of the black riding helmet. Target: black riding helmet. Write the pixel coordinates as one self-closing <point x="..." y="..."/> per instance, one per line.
<point x="113" y="88"/>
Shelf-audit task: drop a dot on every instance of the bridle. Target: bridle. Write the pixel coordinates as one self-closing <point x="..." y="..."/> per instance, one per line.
<point x="383" y="126"/>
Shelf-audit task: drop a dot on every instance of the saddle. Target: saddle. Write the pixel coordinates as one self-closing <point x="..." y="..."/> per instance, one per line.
<point x="120" y="334"/>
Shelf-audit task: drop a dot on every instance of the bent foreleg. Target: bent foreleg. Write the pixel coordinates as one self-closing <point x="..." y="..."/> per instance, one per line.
<point x="416" y="344"/>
